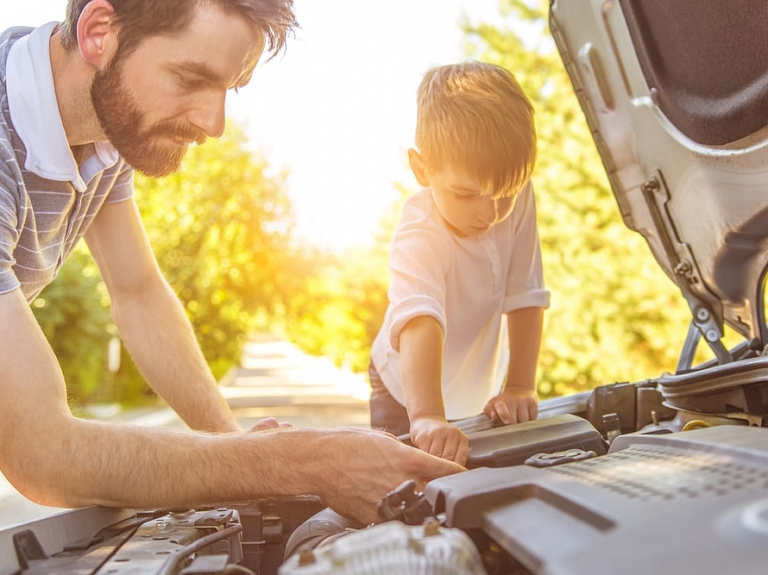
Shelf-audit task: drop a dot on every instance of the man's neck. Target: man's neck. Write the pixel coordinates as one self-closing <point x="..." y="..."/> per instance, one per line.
<point x="72" y="79"/>
<point x="82" y="153"/>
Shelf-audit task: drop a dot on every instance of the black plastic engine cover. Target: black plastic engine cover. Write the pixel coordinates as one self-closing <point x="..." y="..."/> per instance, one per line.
<point x="684" y="503"/>
<point x="513" y="444"/>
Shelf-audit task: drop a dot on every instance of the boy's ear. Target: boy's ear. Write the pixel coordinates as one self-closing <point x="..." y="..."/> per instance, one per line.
<point x="418" y="167"/>
<point x="97" y="32"/>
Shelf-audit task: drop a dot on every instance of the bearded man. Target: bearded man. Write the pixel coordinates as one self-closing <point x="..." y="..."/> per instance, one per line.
<point x="126" y="85"/>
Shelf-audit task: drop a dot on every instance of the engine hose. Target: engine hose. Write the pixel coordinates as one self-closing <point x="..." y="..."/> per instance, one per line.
<point x="171" y="565"/>
<point x="237" y="570"/>
<point x="695" y="424"/>
<point x="321" y="527"/>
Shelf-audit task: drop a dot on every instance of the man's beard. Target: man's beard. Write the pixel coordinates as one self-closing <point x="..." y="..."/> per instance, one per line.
<point x="146" y="149"/>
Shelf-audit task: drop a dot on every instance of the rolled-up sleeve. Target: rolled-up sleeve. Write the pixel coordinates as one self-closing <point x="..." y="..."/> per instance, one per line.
<point x="417" y="283"/>
<point x="411" y="307"/>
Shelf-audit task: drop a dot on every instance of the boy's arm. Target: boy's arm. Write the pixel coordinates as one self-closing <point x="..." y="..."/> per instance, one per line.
<point x="421" y="352"/>
<point x="518" y="401"/>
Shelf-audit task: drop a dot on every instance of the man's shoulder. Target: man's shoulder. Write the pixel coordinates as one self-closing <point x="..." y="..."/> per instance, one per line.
<point x="8" y="38"/>
<point x="14" y="32"/>
<point x="10" y="167"/>
<point x="7" y="155"/>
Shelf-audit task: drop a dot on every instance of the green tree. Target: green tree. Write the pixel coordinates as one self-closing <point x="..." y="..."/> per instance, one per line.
<point x="614" y="314"/>
<point x="338" y="307"/>
<point x="220" y="228"/>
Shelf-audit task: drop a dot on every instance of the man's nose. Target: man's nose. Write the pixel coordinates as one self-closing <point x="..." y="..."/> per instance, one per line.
<point x="209" y="115"/>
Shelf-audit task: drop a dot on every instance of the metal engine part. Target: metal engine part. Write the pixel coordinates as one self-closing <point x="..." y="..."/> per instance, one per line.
<point x="391" y="547"/>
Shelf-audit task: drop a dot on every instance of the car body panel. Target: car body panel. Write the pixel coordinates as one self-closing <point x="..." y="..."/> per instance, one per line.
<point x="695" y="191"/>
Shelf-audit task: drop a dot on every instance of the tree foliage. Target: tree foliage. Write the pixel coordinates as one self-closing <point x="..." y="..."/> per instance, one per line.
<point x="220" y="229"/>
<point x="339" y="306"/>
<point x="615" y="316"/>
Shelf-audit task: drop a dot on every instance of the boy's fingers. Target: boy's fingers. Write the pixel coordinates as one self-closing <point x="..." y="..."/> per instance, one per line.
<point x="462" y="452"/>
<point x="437" y="449"/>
<point x="522" y="413"/>
<point x="504" y="414"/>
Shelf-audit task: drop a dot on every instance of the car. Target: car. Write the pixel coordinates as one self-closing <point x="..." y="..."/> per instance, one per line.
<point x="664" y="475"/>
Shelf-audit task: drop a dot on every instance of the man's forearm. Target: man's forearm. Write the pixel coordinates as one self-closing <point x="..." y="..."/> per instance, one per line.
<point x="56" y="459"/>
<point x="131" y="466"/>
<point x="161" y="341"/>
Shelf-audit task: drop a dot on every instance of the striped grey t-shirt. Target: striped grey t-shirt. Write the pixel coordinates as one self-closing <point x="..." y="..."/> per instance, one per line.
<point x="43" y="214"/>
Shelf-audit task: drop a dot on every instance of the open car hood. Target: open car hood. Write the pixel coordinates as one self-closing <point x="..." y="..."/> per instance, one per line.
<point x="676" y="96"/>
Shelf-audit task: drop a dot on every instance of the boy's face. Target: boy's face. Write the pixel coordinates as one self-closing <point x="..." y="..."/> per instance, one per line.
<point x="171" y="91"/>
<point x="464" y="203"/>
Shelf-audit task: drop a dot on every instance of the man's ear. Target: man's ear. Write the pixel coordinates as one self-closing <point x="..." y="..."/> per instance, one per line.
<point x="418" y="167"/>
<point x="97" y="33"/>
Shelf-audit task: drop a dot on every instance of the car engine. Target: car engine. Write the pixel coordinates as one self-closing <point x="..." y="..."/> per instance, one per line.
<point x="613" y="480"/>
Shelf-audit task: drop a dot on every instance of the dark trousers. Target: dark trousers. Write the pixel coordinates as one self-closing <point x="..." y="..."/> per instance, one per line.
<point x="387" y="413"/>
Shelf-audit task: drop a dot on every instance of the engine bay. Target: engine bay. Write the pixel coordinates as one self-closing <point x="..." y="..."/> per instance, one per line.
<point x="612" y="480"/>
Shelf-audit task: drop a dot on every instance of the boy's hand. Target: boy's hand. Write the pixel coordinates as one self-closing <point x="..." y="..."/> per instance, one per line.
<point x="438" y="437"/>
<point x="513" y="405"/>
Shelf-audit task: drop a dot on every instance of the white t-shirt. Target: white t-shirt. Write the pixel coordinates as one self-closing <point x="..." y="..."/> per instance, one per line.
<point x="467" y="284"/>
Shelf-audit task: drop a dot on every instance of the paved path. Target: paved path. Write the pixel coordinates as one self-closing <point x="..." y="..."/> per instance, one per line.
<point x="275" y="380"/>
<point x="278" y="380"/>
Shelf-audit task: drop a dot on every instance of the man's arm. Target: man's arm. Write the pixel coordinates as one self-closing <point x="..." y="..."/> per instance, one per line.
<point x="518" y="401"/>
<point x="152" y="322"/>
<point x="421" y="359"/>
<point x="56" y="459"/>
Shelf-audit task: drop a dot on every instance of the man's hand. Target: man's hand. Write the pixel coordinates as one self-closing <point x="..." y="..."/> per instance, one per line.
<point x="439" y="438"/>
<point x="366" y="465"/>
<point x="513" y="405"/>
<point x="268" y="424"/>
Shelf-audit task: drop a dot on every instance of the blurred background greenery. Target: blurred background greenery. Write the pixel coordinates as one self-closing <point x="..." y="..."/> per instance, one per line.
<point x="222" y="232"/>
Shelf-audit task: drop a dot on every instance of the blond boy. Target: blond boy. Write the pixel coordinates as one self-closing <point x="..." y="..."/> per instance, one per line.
<point x="462" y="332"/>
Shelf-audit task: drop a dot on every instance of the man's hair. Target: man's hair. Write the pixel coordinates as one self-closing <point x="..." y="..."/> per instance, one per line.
<point x="476" y="117"/>
<point x="140" y="19"/>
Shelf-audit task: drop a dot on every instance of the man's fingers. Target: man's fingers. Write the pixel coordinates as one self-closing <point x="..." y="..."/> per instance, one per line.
<point x="269" y="423"/>
<point x="440" y="468"/>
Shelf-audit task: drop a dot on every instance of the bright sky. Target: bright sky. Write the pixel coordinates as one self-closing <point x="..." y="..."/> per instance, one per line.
<point x="337" y="110"/>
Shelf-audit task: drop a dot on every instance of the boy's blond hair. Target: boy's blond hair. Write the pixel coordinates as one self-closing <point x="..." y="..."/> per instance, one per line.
<point x="475" y="116"/>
